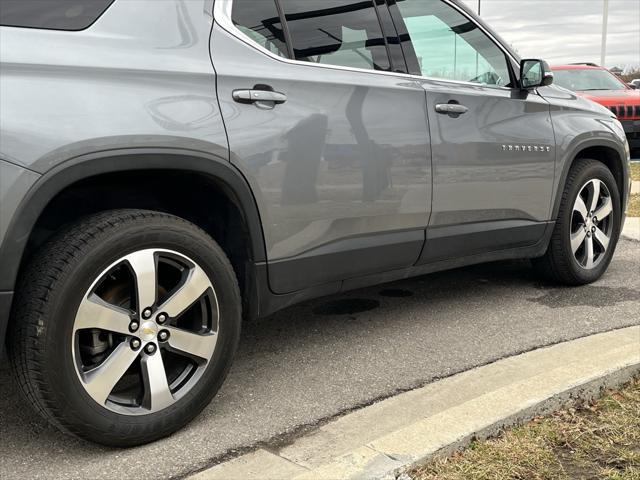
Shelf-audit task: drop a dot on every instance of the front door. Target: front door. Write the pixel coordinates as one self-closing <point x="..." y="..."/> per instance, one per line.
<point x="334" y="145"/>
<point x="492" y="144"/>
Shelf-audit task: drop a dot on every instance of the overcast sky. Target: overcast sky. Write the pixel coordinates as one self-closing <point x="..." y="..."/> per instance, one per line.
<point x="565" y="31"/>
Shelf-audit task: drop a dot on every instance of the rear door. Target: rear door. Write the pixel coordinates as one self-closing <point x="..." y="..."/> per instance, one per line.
<point x="492" y="144"/>
<point x="334" y="145"/>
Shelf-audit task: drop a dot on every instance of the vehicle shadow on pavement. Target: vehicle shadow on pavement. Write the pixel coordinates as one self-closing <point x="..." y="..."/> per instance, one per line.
<point x="318" y="359"/>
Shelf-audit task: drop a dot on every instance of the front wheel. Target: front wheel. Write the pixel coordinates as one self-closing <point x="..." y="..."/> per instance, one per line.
<point x="125" y="326"/>
<point x="587" y="228"/>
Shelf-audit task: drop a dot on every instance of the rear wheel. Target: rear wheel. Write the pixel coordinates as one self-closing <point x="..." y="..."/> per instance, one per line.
<point x="125" y="326"/>
<point x="587" y="228"/>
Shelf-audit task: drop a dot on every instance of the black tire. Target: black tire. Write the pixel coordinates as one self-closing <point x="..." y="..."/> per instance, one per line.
<point x="559" y="262"/>
<point x="42" y="330"/>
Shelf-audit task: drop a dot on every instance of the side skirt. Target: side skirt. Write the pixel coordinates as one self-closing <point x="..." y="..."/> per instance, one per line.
<point x="349" y="257"/>
<point x="270" y="303"/>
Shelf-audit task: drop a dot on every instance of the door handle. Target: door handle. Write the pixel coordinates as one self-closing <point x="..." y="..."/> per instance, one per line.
<point x="254" y="96"/>
<point x="451" y="108"/>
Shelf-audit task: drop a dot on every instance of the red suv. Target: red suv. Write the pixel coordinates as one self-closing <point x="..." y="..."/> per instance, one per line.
<point x="600" y="85"/>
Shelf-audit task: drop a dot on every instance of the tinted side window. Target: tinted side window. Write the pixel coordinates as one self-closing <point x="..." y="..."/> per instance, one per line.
<point x="336" y="32"/>
<point x="450" y="46"/>
<point x="259" y="20"/>
<point x="52" y="14"/>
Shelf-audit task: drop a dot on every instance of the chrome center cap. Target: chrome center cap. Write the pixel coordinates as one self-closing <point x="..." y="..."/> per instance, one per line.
<point x="148" y="331"/>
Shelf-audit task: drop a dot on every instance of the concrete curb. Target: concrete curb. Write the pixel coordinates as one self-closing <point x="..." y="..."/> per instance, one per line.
<point x="384" y="439"/>
<point x="631" y="230"/>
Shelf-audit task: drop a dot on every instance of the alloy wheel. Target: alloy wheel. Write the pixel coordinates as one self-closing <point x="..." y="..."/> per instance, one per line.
<point x="145" y="331"/>
<point x="591" y="224"/>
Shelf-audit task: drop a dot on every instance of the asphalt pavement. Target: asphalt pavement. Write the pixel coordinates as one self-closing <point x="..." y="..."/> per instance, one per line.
<point x="316" y="360"/>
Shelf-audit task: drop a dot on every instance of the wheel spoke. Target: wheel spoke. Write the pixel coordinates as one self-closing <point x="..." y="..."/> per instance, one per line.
<point x="100" y="381"/>
<point x="602" y="239"/>
<point x="581" y="208"/>
<point x="143" y="264"/>
<point x="577" y="239"/>
<point x="605" y="210"/>
<point x="157" y="393"/>
<point x="96" y="313"/>
<point x="196" y="284"/>
<point x="192" y="344"/>
<point x="589" y="252"/>
<point x="595" y="195"/>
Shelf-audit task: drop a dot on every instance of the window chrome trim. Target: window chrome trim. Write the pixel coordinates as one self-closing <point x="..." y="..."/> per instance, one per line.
<point x="222" y="10"/>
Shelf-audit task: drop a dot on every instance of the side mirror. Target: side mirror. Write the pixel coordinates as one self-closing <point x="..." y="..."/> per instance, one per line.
<point x="632" y="86"/>
<point x="535" y="73"/>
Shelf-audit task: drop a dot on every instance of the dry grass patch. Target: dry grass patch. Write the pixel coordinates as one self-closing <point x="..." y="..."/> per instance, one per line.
<point x="597" y="441"/>
<point x="635" y="171"/>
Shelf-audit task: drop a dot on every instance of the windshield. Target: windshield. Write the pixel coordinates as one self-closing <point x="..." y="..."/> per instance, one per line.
<point x="587" y="79"/>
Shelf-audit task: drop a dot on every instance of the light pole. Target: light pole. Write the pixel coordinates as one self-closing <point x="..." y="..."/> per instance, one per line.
<point x="605" y="21"/>
<point x="477" y="54"/>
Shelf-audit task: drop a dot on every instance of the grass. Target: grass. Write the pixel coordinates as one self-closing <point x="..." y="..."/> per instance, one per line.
<point x="634" y="205"/>
<point x="597" y="441"/>
<point x="635" y="171"/>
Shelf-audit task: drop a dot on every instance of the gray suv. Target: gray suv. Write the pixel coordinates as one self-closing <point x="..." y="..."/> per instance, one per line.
<point x="168" y="168"/>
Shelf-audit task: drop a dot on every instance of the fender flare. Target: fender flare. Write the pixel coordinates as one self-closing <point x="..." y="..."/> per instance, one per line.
<point x="572" y="156"/>
<point x="113" y="161"/>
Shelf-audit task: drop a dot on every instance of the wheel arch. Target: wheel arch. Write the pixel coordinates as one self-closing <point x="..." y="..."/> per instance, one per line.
<point x="608" y="152"/>
<point x="199" y="175"/>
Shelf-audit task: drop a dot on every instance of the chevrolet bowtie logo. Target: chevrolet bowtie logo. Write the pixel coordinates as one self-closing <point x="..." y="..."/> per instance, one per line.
<point x="525" y="148"/>
<point x="148" y="331"/>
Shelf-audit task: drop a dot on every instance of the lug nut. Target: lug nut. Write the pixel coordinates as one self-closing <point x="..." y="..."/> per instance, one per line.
<point x="146" y="313"/>
<point x="135" y="344"/>
<point x="133" y="326"/>
<point x="162" y="318"/>
<point x="588" y="233"/>
<point x="594" y="219"/>
<point x="163" y="336"/>
<point x="150" y="349"/>
<point x="593" y="229"/>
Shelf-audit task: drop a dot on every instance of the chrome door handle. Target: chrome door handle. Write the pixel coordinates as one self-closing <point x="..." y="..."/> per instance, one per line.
<point x="451" y="108"/>
<point x="253" y="96"/>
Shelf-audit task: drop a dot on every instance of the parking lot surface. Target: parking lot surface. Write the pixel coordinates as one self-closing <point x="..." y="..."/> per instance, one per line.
<point x="319" y="359"/>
